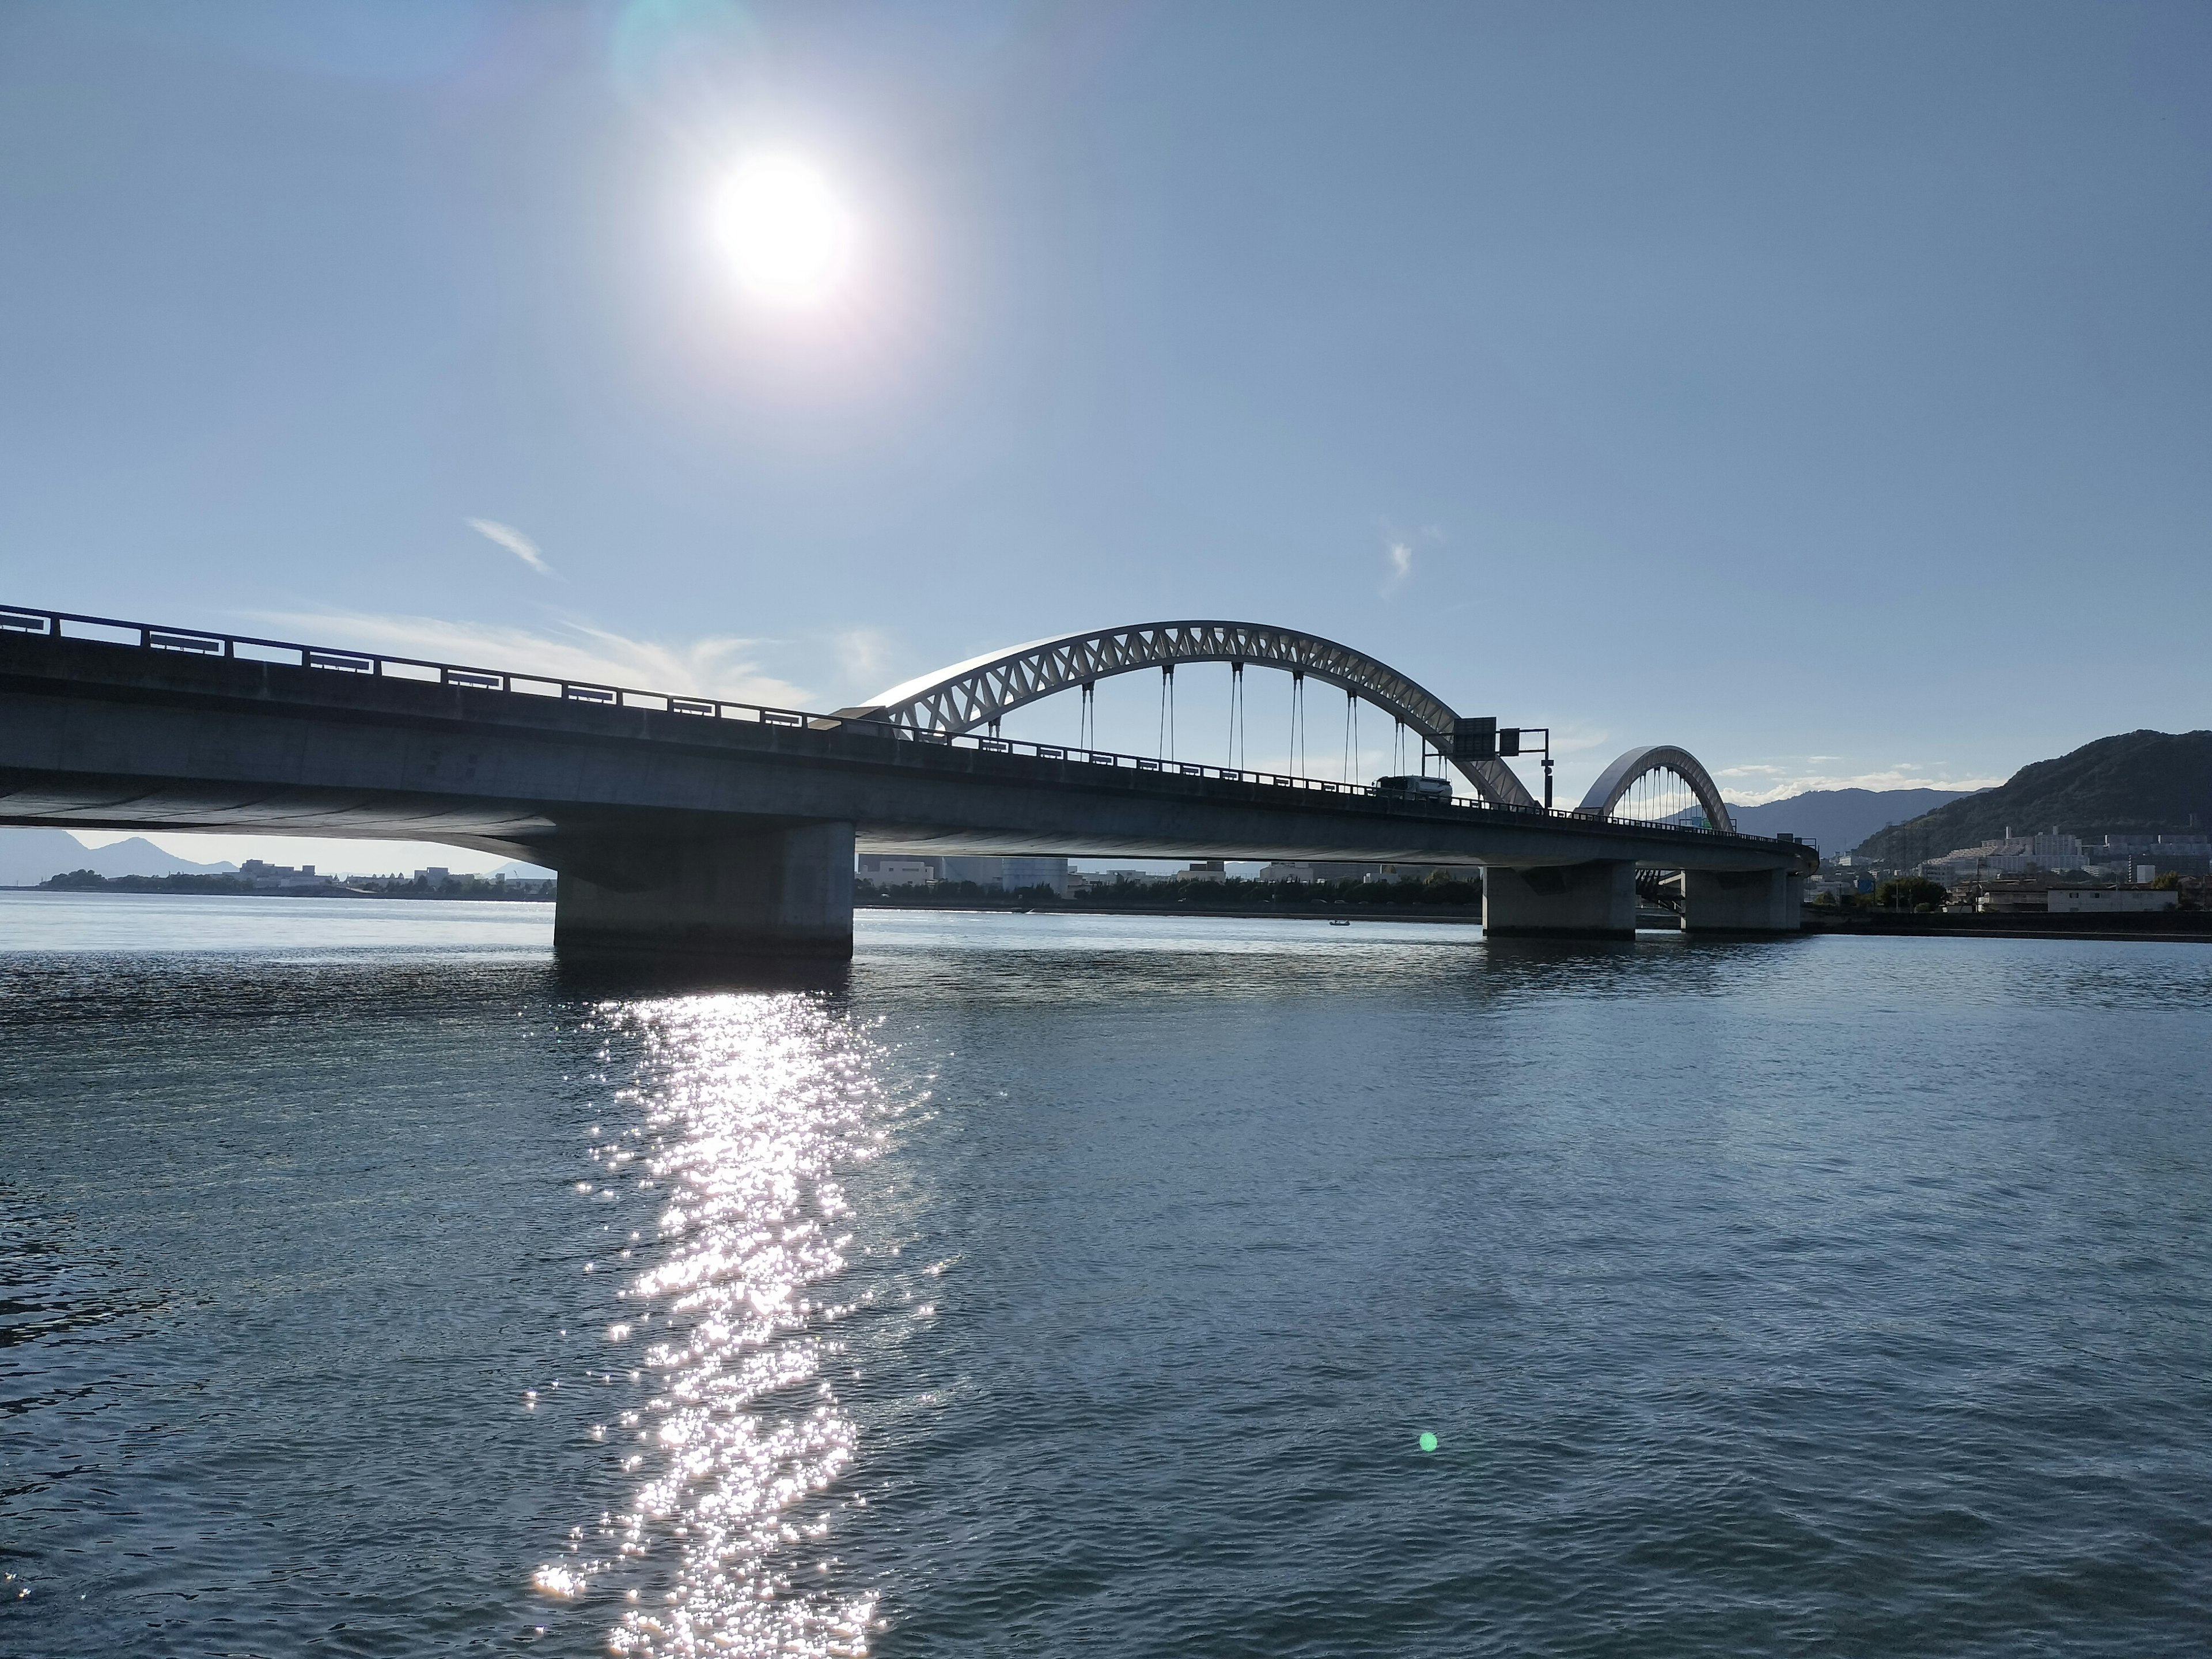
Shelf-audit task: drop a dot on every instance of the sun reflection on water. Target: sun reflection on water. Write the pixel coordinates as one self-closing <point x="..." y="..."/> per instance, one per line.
<point x="746" y="1108"/>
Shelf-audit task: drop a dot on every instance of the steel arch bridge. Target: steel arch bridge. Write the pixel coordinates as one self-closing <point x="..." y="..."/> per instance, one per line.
<point x="984" y="689"/>
<point x="686" y="823"/>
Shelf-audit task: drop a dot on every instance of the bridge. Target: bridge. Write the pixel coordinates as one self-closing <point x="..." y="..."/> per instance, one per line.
<point x="692" y="825"/>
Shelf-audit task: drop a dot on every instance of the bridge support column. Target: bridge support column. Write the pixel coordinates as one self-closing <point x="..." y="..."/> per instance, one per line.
<point x="1742" y="901"/>
<point x="781" y="892"/>
<point x="1571" y="901"/>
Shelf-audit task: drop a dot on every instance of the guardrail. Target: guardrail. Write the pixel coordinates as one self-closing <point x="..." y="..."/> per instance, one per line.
<point x="246" y="647"/>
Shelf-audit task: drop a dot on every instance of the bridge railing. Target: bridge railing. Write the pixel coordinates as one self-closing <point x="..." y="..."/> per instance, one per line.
<point x="246" y="647"/>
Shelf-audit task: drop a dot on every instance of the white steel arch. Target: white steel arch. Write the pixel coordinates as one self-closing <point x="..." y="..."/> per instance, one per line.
<point x="982" y="690"/>
<point x="1616" y="780"/>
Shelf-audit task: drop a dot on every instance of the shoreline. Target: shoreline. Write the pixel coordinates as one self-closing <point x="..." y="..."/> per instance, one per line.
<point x="1227" y="912"/>
<point x="2180" y="927"/>
<point x="2185" y="928"/>
<point x="340" y="893"/>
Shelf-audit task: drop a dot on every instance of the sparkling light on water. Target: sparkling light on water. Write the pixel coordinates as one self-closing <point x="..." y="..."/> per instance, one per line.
<point x="749" y="1105"/>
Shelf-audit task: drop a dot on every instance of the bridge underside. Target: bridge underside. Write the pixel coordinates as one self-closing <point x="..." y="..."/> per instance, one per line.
<point x="565" y="836"/>
<point x="675" y="834"/>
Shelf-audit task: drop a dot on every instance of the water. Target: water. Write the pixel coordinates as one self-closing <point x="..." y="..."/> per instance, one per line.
<point x="1083" y="1286"/>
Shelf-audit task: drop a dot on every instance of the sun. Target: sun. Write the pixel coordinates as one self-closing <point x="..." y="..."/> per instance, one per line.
<point x="786" y="232"/>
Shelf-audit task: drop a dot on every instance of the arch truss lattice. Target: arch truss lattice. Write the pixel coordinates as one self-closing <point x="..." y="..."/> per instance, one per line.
<point x="984" y="689"/>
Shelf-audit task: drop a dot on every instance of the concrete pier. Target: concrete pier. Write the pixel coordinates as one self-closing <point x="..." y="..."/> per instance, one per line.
<point x="1596" y="900"/>
<point x="785" y="891"/>
<point x="1742" y="901"/>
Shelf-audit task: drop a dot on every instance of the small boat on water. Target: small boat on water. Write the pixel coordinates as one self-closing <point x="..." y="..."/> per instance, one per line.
<point x="1339" y="924"/>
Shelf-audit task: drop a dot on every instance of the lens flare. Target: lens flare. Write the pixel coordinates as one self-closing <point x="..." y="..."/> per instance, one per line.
<point x="788" y="235"/>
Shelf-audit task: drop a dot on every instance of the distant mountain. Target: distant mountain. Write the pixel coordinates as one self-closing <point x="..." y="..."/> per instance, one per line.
<point x="27" y="857"/>
<point x="2137" y="783"/>
<point x="1838" y="819"/>
<point x="514" y="870"/>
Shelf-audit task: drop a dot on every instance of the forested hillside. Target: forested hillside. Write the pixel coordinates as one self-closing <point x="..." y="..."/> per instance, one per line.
<point x="2138" y="782"/>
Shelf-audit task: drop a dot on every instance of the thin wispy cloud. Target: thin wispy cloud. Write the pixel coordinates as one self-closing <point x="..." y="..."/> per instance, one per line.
<point x="1754" y="786"/>
<point x="507" y="536"/>
<point x="1573" y="739"/>
<point x="718" y="666"/>
<point x="1402" y="568"/>
<point x="1580" y="749"/>
<point x="861" y="654"/>
<point x="1400" y="549"/>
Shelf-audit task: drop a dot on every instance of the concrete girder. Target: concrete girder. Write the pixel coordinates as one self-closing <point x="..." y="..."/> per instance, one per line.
<point x="983" y="689"/>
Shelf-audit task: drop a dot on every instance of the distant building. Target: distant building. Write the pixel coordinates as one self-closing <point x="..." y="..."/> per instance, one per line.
<point x="2116" y="858"/>
<point x="894" y="870"/>
<point x="1299" y="870"/>
<point x="993" y="875"/>
<point x="2122" y="872"/>
<point x="2033" y="893"/>
<point x="1008" y="875"/>
<point x="2196" y="844"/>
<point x="1093" y="881"/>
<point x="2007" y="897"/>
<point x="1205" y="870"/>
<point x="281" y="878"/>
<point x="2080" y="899"/>
<point x="2006" y="856"/>
<point x="2141" y="858"/>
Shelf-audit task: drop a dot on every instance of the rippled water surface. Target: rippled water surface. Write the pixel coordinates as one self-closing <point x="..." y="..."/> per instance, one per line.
<point x="1085" y="1286"/>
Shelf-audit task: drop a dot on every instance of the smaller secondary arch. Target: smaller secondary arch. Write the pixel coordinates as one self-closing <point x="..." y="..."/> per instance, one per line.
<point x="1615" y="780"/>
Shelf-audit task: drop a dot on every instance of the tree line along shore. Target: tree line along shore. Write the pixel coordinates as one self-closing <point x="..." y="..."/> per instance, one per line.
<point x="240" y="886"/>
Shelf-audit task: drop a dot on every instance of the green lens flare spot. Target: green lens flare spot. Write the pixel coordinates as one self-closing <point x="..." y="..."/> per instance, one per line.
<point x="1428" y="1441"/>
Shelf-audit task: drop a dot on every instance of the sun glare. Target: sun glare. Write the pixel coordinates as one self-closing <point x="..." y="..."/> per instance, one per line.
<point x="786" y="232"/>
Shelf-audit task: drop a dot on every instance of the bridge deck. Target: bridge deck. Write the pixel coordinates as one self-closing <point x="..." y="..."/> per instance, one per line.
<point x="118" y="736"/>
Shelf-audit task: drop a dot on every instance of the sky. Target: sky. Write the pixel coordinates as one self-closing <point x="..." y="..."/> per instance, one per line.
<point x="1825" y="390"/>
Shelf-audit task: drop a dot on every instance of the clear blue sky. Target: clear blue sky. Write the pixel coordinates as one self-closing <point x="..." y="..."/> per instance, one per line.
<point x="1828" y="390"/>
